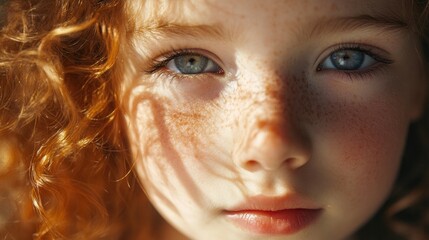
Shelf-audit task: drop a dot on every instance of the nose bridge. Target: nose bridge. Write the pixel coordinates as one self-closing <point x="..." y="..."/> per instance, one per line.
<point x="267" y="109"/>
<point x="268" y="97"/>
<point x="268" y="135"/>
<point x="266" y="116"/>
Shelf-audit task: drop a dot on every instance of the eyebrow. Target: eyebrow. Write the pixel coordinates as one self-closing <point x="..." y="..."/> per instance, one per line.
<point x="172" y="30"/>
<point x="365" y="21"/>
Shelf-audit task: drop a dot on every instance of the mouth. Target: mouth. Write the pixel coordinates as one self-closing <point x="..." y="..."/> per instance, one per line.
<point x="274" y="216"/>
<point x="282" y="222"/>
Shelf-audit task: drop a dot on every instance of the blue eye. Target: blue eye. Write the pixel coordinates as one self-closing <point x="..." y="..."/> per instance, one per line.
<point x="347" y="60"/>
<point x="190" y="63"/>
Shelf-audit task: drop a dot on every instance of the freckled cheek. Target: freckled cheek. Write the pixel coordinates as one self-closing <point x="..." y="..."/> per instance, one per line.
<point x="163" y="144"/>
<point x="177" y="135"/>
<point x="365" y="143"/>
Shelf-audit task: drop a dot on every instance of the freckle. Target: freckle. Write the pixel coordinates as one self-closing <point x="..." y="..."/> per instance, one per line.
<point x="334" y="7"/>
<point x="187" y="124"/>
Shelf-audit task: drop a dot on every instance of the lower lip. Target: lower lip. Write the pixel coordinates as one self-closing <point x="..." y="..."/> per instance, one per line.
<point x="281" y="222"/>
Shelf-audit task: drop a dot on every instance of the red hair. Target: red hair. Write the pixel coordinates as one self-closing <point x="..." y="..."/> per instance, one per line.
<point x="68" y="156"/>
<point x="65" y="168"/>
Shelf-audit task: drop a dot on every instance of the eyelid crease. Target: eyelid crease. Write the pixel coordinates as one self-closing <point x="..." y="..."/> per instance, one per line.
<point x="360" y="74"/>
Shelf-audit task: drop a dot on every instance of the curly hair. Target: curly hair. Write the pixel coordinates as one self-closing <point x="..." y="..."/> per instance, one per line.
<point x="65" y="168"/>
<point x="66" y="152"/>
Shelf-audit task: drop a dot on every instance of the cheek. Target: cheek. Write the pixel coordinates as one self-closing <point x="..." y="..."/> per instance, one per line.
<point x="368" y="142"/>
<point x="357" y="128"/>
<point x="358" y="132"/>
<point x="358" y="147"/>
<point x="157" y="161"/>
<point x="163" y="139"/>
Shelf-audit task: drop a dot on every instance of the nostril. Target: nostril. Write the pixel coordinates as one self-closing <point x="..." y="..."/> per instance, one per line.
<point x="251" y="165"/>
<point x="294" y="163"/>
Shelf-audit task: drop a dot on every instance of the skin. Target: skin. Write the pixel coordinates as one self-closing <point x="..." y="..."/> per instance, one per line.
<point x="270" y="124"/>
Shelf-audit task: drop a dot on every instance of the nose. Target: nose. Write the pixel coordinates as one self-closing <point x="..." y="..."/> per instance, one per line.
<point x="270" y="140"/>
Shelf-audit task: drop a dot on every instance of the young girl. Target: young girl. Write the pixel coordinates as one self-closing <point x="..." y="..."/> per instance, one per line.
<point x="235" y="119"/>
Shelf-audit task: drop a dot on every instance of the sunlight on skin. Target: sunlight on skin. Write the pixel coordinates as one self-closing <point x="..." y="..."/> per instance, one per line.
<point x="270" y="124"/>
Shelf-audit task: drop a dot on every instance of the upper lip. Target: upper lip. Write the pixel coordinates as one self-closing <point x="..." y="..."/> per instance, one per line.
<point x="274" y="203"/>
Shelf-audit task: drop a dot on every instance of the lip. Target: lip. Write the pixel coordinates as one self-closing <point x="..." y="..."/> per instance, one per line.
<point x="274" y="215"/>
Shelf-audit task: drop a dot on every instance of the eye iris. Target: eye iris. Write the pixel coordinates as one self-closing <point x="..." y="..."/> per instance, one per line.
<point x="347" y="59"/>
<point x="191" y="64"/>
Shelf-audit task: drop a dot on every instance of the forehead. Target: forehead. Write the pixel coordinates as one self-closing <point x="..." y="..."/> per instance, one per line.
<point x="245" y="22"/>
<point x="239" y="12"/>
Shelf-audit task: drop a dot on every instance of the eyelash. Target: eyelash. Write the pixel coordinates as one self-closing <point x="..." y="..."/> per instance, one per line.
<point x="381" y="61"/>
<point x="157" y="65"/>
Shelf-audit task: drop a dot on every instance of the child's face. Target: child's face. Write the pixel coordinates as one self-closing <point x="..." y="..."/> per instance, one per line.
<point x="240" y="111"/>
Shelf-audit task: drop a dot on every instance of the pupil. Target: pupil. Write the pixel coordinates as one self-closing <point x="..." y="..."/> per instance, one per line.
<point x="347" y="59"/>
<point x="191" y="64"/>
